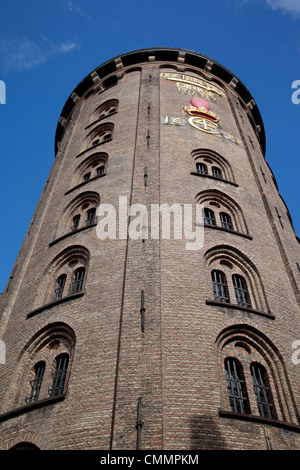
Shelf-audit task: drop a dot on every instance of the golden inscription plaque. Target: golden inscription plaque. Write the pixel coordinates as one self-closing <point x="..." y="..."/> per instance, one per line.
<point x="193" y="81"/>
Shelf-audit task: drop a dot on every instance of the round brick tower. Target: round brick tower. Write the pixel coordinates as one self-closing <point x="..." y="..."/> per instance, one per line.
<point x="132" y="339"/>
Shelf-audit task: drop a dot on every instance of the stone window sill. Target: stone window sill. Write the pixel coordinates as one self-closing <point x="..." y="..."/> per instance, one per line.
<point x="69" y="234"/>
<point x="84" y="183"/>
<point x="32" y="406"/>
<point x="259" y="419"/>
<point x="67" y="298"/>
<point x="101" y="119"/>
<point x="216" y="227"/>
<point x="214" y="178"/>
<point x="240" y="307"/>
<point x="93" y="147"/>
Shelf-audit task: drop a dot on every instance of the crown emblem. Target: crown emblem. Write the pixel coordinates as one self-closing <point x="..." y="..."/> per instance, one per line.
<point x="201" y="108"/>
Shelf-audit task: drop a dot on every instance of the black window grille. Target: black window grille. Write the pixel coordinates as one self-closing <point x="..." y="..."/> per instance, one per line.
<point x="262" y="390"/>
<point x="77" y="285"/>
<point x="226" y="221"/>
<point x="241" y="291"/>
<point x="201" y="168"/>
<point x="236" y="386"/>
<point x="36" y="383"/>
<point x="76" y="221"/>
<point x="101" y="170"/>
<point x="61" y="281"/>
<point x="220" y="288"/>
<point x="209" y="217"/>
<point x="216" y="172"/>
<point x="59" y="375"/>
<point x="87" y="176"/>
<point x="91" y="217"/>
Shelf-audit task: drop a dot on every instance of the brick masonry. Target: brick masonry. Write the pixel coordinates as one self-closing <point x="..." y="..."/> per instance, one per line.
<point x="176" y="365"/>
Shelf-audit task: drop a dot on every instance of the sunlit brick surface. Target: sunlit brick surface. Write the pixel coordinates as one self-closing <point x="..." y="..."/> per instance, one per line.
<point x="150" y="148"/>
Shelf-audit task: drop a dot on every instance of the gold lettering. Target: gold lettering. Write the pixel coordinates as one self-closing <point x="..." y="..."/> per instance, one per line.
<point x="195" y="91"/>
<point x="176" y="120"/>
<point x="193" y="80"/>
<point x="229" y="136"/>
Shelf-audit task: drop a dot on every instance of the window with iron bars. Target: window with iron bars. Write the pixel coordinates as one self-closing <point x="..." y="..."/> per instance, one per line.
<point x="220" y="288"/>
<point x="201" y="168"/>
<point x="77" y="285"/>
<point x="61" y="281"/>
<point x="87" y="176"/>
<point x="76" y="221"/>
<point x="236" y="386"/>
<point x="101" y="170"/>
<point x="59" y="375"/>
<point x="262" y="390"/>
<point x="226" y="221"/>
<point x="241" y="291"/>
<point x="209" y="217"/>
<point x="36" y="383"/>
<point x="91" y="217"/>
<point x="216" y="172"/>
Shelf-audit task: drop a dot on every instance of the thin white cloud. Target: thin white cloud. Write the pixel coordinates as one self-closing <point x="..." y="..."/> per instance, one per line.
<point x="65" y="47"/>
<point x="72" y="7"/>
<point x="288" y="6"/>
<point x="18" y="55"/>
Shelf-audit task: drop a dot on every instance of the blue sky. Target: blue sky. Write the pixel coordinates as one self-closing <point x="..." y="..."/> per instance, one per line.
<point x="47" y="48"/>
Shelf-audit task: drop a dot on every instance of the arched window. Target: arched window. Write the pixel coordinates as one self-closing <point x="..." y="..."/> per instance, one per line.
<point x="241" y="290"/>
<point x="61" y="281"/>
<point x="36" y="383"/>
<point x="87" y="176"/>
<point x="100" y="170"/>
<point x="24" y="446"/>
<point x="262" y="390"/>
<point x="220" y="288"/>
<point x="261" y="367"/>
<point x="236" y="386"/>
<point x="44" y="366"/>
<point x="201" y="168"/>
<point x="211" y="164"/>
<point x="60" y="275"/>
<point x="209" y="217"/>
<point x="77" y="285"/>
<point x="74" y="216"/>
<point x="91" y="216"/>
<point x="101" y="133"/>
<point x="106" y="109"/>
<point x="216" y="172"/>
<point x="59" y="375"/>
<point x="245" y="286"/>
<point x="94" y="166"/>
<point x="76" y="220"/>
<point x="226" y="221"/>
<point x="228" y="214"/>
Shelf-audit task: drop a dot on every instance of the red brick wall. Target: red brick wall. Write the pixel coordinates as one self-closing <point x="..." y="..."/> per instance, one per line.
<point x="176" y="365"/>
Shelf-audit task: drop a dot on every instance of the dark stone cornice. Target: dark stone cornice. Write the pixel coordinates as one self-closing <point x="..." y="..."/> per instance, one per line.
<point x="182" y="57"/>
